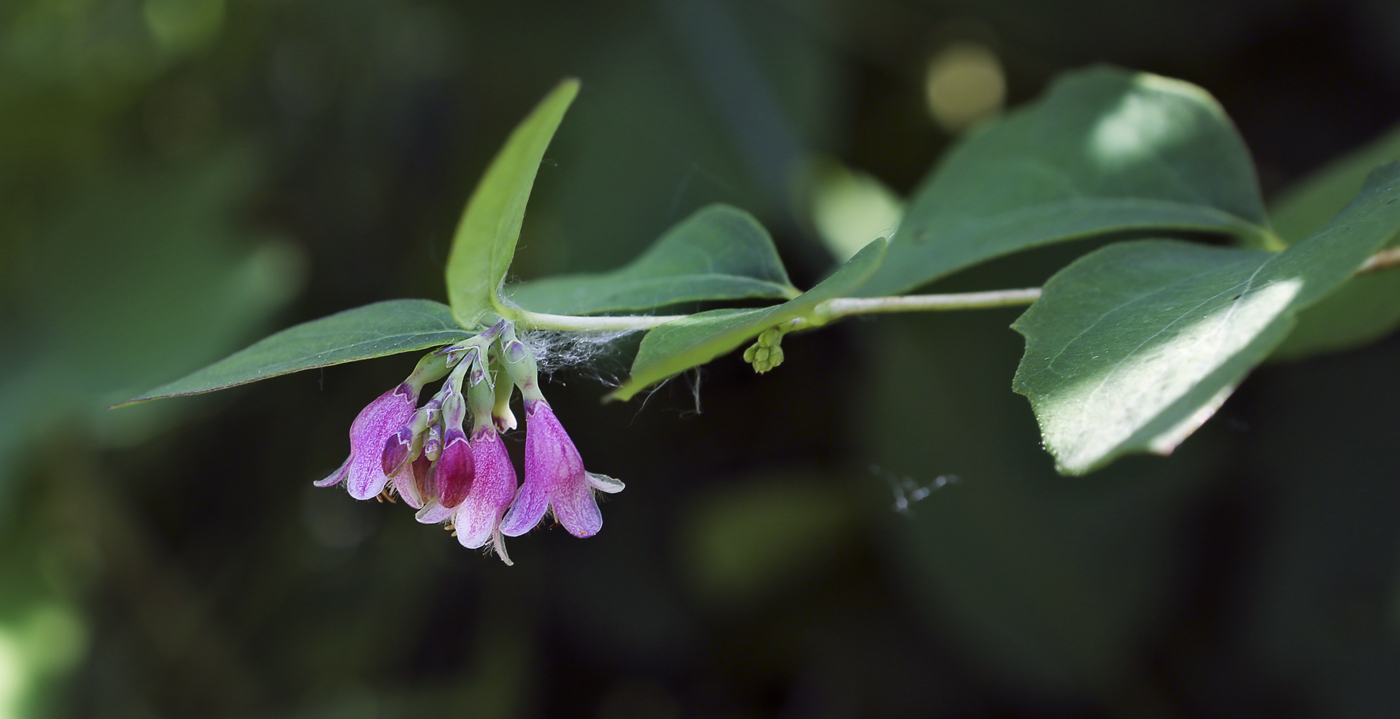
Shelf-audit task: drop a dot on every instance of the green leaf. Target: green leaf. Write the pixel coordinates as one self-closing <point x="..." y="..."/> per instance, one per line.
<point x="376" y="330"/>
<point x="1105" y="151"/>
<point x="1135" y="345"/>
<point x="484" y="245"/>
<point x="718" y="253"/>
<point x="1364" y="309"/>
<point x="677" y="346"/>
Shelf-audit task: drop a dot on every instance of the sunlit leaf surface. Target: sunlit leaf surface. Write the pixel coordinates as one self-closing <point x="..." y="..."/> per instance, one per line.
<point x="1132" y="347"/>
<point x="1105" y="151"/>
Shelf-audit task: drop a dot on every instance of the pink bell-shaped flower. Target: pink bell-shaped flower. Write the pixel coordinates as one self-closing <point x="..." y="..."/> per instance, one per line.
<point x="478" y="518"/>
<point x="555" y="479"/>
<point x="363" y="470"/>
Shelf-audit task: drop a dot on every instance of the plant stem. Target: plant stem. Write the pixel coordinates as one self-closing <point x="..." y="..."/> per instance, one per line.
<point x="845" y="306"/>
<point x="572" y="323"/>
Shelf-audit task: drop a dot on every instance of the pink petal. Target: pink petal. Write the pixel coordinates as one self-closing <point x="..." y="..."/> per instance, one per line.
<point x="396" y="451"/>
<point x="575" y="508"/>
<point x="336" y="477"/>
<point x="371" y="429"/>
<point x="477" y="517"/>
<point x="433" y="513"/>
<point x="604" y="483"/>
<point x="455" y="470"/>
<point x="526" y="511"/>
<point x="411" y="483"/>
<point x="550" y="456"/>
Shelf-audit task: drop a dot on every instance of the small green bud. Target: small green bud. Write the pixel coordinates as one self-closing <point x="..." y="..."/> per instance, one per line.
<point x="761" y="355"/>
<point x="770" y="337"/>
<point x="749" y="353"/>
<point x="775" y="356"/>
<point x="762" y="366"/>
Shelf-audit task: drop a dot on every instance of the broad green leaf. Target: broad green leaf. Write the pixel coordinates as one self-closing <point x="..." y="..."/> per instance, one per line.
<point x="1135" y="345"/>
<point x="1364" y="309"/>
<point x="376" y="330"/>
<point x="484" y="245"/>
<point x="677" y="346"/>
<point x="1105" y="151"/>
<point x="718" y="253"/>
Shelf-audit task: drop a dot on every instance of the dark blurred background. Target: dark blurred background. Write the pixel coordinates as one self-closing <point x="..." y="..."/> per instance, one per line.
<point x="870" y="531"/>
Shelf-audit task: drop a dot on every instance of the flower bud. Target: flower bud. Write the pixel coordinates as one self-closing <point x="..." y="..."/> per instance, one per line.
<point x="478" y="518"/>
<point x="432" y="446"/>
<point x="455" y="470"/>
<point x="767" y="352"/>
<point x="500" y="412"/>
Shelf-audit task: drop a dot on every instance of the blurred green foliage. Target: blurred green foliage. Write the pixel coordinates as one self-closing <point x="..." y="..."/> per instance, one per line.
<point x="182" y="176"/>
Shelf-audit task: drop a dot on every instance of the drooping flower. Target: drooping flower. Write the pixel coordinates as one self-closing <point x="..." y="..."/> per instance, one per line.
<point x="455" y="471"/>
<point x="478" y="519"/>
<point x="363" y="470"/>
<point x="555" y="479"/>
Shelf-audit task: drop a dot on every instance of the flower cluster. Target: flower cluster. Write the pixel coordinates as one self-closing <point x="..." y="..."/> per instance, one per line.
<point x="424" y="454"/>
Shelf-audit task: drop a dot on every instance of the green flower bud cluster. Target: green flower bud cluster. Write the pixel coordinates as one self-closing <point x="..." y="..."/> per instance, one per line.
<point x="767" y="353"/>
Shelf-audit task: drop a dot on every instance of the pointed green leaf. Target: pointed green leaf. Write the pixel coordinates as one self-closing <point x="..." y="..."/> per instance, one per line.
<point x="484" y="245"/>
<point x="1104" y="151"/>
<point x="376" y="330"/>
<point x="718" y="253"/>
<point x="1364" y="309"/>
<point x="1133" y="346"/>
<point x="677" y="346"/>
